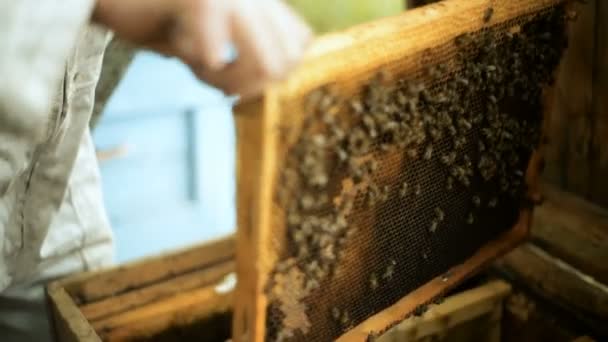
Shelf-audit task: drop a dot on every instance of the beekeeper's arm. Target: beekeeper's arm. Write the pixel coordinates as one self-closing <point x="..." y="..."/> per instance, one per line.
<point x="36" y="38"/>
<point x="268" y="36"/>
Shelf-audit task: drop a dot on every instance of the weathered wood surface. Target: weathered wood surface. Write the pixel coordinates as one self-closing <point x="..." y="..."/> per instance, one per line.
<point x="181" y="309"/>
<point x="577" y="159"/>
<point x="573" y="230"/>
<point x="89" y="287"/>
<point x="68" y="322"/>
<point x="454" y="311"/>
<point x="145" y="297"/>
<point x="559" y="282"/>
<point x="138" y="298"/>
<point x="526" y="319"/>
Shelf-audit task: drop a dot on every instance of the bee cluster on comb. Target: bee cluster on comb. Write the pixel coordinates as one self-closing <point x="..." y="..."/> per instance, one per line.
<point x="460" y="134"/>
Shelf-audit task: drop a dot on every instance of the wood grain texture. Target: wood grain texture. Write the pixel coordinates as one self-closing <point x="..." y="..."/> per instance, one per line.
<point x="88" y="287"/>
<point x="148" y="320"/>
<point x="144" y="297"/>
<point x="599" y="110"/>
<point x="394" y="314"/>
<point x="570" y="123"/>
<point x="558" y="281"/>
<point x="133" y="299"/>
<point x="69" y="323"/>
<point x="454" y="311"/>
<point x="252" y="152"/>
<point x="573" y="230"/>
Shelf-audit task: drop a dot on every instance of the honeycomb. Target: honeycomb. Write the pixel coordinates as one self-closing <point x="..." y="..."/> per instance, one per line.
<point x="387" y="182"/>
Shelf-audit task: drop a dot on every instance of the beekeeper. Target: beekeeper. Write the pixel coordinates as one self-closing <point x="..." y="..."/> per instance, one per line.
<point x="52" y="219"/>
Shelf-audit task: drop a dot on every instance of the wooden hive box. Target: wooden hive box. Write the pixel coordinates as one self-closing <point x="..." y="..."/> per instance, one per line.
<point x="184" y="296"/>
<point x="179" y="293"/>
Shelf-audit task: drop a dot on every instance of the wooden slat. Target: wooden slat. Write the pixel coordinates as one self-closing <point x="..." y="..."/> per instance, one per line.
<point x="181" y="309"/>
<point x="376" y="324"/>
<point x="456" y="310"/>
<point x="94" y="286"/>
<point x="568" y="157"/>
<point x="558" y="281"/>
<point x="598" y="182"/>
<point x="584" y="339"/>
<point x="69" y="323"/>
<point x="137" y="298"/>
<point x="573" y="230"/>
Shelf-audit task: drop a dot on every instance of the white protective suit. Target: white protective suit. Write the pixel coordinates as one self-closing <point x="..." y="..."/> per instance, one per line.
<point x="52" y="220"/>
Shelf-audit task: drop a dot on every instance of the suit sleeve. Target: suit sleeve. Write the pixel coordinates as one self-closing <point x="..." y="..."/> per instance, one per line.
<point x="36" y="38"/>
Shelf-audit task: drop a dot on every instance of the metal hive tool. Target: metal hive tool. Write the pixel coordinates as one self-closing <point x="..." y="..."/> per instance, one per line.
<point x="400" y="158"/>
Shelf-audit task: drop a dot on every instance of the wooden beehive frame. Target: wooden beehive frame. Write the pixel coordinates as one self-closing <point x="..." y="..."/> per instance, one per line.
<point x="143" y="298"/>
<point x="336" y="58"/>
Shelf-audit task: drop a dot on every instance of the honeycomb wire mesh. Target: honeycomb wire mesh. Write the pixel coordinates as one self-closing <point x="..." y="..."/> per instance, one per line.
<point x="387" y="184"/>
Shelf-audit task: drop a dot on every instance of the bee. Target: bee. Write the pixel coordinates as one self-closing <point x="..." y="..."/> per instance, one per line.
<point x="412" y="153"/>
<point x="417" y="190"/>
<point x="293" y="219"/>
<point x="452" y="130"/>
<point x="371" y="198"/>
<point x="341" y="154"/>
<point x="426" y="96"/>
<point x="307" y="202"/>
<point x="493" y="202"/>
<point x="390" y="270"/>
<point x="449" y="184"/>
<point x="571" y="15"/>
<point x="373" y="281"/>
<point x="463" y="39"/>
<point x="303" y="252"/>
<point x="428" y="152"/>
<point x="477" y="201"/>
<point x="434" y="225"/>
<point x="335" y="313"/>
<point x="319" y="179"/>
<point x="449" y="159"/>
<point x="470" y="219"/>
<point x="299" y="236"/>
<point x="464" y="124"/>
<point x="357" y="106"/>
<point x="436" y="134"/>
<point x="386" y="190"/>
<point x="420" y="310"/>
<point x="371" y="166"/>
<point x="545" y="36"/>
<point x="462" y="81"/>
<point x="311" y="285"/>
<point x="401" y="98"/>
<point x="345" y="319"/>
<point x="328" y="252"/>
<point x="403" y="190"/>
<point x="460" y="142"/>
<point x="440" y="214"/>
<point x="438" y="300"/>
<point x="385" y="147"/>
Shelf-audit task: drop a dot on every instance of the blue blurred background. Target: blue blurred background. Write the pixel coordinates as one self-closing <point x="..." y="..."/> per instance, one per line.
<point x="176" y="184"/>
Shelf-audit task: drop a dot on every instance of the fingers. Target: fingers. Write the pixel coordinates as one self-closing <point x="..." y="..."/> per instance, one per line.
<point x="270" y="39"/>
<point x="212" y="33"/>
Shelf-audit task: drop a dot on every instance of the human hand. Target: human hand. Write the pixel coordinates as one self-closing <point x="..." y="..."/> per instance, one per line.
<point x="268" y="36"/>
